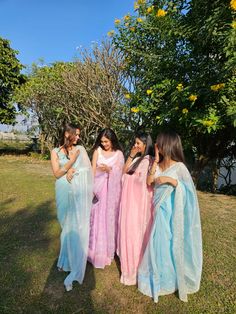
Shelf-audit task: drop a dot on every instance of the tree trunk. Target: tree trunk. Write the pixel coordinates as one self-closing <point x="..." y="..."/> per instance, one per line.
<point x="215" y="176"/>
<point x="198" y="167"/>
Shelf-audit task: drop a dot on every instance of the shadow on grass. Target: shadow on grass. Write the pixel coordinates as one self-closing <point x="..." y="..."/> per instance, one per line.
<point x="117" y="261"/>
<point x="25" y="256"/>
<point x="23" y="235"/>
<point x="54" y="298"/>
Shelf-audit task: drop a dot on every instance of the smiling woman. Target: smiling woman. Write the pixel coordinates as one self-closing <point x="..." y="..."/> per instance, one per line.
<point x="72" y="169"/>
<point x="108" y="161"/>
<point x="135" y="208"/>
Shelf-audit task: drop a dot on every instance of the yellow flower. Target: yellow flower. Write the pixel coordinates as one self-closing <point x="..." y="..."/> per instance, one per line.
<point x="134" y="109"/>
<point x="192" y="98"/>
<point x="132" y="29"/>
<point x="117" y="21"/>
<point x="127" y="96"/>
<point x="150" y="9"/>
<point x="180" y="87"/>
<point x="111" y="33"/>
<point x="127" y="59"/>
<point x="185" y="110"/>
<point x="126" y="24"/>
<point x="208" y="122"/>
<point x="233" y="4"/>
<point x="149" y="91"/>
<point x="141" y="2"/>
<point x="176" y="108"/>
<point x="127" y="17"/>
<point x="216" y="87"/>
<point x="139" y="19"/>
<point x="161" y="13"/>
<point x="233" y="24"/>
<point x="136" y="6"/>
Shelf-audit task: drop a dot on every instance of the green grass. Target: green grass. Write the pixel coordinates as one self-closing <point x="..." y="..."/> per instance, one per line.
<point x="29" y="246"/>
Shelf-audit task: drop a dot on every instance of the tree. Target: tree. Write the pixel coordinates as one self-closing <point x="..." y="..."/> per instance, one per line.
<point x="10" y="78"/>
<point x="88" y="91"/>
<point x="181" y="58"/>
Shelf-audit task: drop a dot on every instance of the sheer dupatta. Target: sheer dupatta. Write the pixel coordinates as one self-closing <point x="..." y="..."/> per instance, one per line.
<point x="176" y="233"/>
<point x="75" y="232"/>
<point x="113" y="181"/>
<point x="187" y="244"/>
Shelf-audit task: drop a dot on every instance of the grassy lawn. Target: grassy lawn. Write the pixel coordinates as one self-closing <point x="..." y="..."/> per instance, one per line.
<point x="29" y="246"/>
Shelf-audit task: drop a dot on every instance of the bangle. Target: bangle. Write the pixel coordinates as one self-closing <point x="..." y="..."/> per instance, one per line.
<point x="64" y="169"/>
<point x="131" y="157"/>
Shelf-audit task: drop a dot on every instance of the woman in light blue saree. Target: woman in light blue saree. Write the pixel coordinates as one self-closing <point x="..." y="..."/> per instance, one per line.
<point x="173" y="257"/>
<point x="72" y="168"/>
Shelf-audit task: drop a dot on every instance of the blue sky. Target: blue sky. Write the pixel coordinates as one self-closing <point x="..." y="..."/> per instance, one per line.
<point x="52" y="29"/>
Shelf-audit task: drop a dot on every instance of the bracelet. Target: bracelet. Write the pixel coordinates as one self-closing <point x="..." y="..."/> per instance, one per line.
<point x="131" y="157"/>
<point x="64" y="169"/>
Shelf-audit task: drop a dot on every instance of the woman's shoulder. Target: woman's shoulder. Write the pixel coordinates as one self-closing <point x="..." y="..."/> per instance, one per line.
<point x="56" y="150"/>
<point x="182" y="166"/>
<point x="98" y="150"/>
<point x="183" y="170"/>
<point x="148" y="158"/>
<point x="119" y="152"/>
<point x="81" y="148"/>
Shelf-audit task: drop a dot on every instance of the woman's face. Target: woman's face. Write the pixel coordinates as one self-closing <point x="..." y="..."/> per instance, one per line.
<point x="106" y="143"/>
<point x="139" y="145"/>
<point x="75" y="137"/>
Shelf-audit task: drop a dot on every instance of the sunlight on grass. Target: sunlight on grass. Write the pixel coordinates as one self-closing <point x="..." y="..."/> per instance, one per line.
<point x="30" y="282"/>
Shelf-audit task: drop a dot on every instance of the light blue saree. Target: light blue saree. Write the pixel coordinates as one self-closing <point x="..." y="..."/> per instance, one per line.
<point x="173" y="257"/>
<point x="74" y="201"/>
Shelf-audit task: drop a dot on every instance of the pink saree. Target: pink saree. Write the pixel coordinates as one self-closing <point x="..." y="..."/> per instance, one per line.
<point x="135" y="221"/>
<point x="105" y="212"/>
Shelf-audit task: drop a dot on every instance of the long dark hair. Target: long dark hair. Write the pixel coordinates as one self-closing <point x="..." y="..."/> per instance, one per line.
<point x="147" y="140"/>
<point x="111" y="135"/>
<point x="170" y="144"/>
<point x="66" y="142"/>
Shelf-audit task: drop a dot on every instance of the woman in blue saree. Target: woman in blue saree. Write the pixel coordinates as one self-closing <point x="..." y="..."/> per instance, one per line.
<point x="72" y="169"/>
<point x="173" y="256"/>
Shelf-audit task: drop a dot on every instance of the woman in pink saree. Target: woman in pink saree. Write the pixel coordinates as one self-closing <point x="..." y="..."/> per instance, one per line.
<point x="107" y="163"/>
<point x="135" y="209"/>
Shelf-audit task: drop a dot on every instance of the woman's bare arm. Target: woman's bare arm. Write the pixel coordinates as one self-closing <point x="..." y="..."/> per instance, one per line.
<point x="94" y="161"/>
<point x="61" y="171"/>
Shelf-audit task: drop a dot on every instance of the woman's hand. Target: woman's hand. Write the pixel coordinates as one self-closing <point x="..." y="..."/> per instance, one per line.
<point x="133" y="152"/>
<point x="70" y="174"/>
<point x="166" y="180"/>
<point x="104" y="168"/>
<point x="157" y="157"/>
<point x="74" y="155"/>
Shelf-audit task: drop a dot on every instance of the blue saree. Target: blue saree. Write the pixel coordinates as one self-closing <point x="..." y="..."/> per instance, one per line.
<point x="74" y="201"/>
<point x="173" y="256"/>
